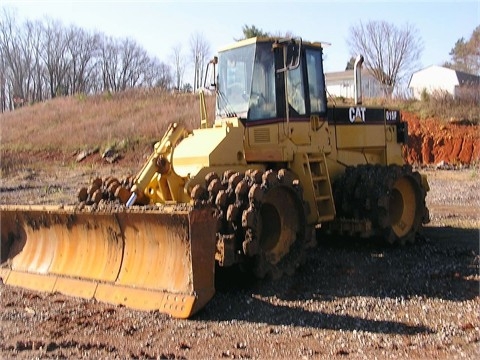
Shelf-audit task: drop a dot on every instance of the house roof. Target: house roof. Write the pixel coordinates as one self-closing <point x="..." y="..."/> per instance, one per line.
<point x="463" y="78"/>
<point x="467" y="79"/>
<point x="343" y="75"/>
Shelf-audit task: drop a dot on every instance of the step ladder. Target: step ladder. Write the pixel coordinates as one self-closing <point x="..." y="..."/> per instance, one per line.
<point x="322" y="189"/>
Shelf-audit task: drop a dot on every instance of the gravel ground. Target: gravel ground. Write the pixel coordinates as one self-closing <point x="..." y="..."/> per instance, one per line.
<point x="352" y="299"/>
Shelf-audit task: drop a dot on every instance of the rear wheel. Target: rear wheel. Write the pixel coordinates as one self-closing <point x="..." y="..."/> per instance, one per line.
<point x="404" y="210"/>
<point x="391" y="197"/>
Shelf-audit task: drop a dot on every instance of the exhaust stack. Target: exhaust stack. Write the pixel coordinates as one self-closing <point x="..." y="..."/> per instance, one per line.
<point x="357" y="79"/>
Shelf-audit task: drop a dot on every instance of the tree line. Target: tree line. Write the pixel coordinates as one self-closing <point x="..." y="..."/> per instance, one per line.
<point x="465" y="54"/>
<point x="43" y="59"/>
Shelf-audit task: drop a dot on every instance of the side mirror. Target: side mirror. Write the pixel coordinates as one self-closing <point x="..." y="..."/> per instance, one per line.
<point x="211" y="70"/>
<point x="291" y="53"/>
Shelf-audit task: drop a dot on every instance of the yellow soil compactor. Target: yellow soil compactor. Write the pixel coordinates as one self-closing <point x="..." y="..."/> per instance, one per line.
<point x="248" y="190"/>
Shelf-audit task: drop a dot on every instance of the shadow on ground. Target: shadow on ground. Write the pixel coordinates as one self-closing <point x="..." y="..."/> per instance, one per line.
<point x="444" y="265"/>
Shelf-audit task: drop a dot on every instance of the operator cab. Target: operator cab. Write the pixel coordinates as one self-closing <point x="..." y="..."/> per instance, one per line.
<point x="267" y="80"/>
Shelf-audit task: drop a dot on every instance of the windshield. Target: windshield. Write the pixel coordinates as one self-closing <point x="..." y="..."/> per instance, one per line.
<point x="246" y="82"/>
<point x="235" y="68"/>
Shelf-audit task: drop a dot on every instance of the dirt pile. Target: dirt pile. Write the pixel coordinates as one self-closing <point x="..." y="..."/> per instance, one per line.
<point x="432" y="141"/>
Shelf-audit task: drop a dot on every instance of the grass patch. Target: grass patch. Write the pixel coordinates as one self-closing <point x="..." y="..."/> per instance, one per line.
<point x="123" y="120"/>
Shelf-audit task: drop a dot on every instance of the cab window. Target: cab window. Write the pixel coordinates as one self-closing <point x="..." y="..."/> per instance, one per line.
<point x="295" y="90"/>
<point x="316" y="81"/>
<point x="262" y="103"/>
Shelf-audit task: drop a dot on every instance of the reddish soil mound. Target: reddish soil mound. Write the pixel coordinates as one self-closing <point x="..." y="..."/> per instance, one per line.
<point x="432" y="141"/>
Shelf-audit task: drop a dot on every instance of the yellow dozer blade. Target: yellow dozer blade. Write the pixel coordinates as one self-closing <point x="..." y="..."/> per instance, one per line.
<point x="147" y="260"/>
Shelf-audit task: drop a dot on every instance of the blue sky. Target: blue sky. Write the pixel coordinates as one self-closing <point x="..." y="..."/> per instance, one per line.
<point x="159" y="25"/>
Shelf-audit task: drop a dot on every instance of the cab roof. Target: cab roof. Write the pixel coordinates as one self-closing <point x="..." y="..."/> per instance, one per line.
<point x="272" y="39"/>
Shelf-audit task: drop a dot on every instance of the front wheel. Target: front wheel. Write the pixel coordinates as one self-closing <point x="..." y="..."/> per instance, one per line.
<point x="275" y="225"/>
<point x="261" y="220"/>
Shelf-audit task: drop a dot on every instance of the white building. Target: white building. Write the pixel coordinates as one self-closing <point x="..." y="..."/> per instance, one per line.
<point x="341" y="84"/>
<point x="439" y="79"/>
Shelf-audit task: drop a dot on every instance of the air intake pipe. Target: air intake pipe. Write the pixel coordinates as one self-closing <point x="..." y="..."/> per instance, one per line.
<point x="357" y="79"/>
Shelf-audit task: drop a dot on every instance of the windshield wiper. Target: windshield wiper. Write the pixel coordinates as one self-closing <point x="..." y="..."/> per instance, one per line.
<point x="225" y="106"/>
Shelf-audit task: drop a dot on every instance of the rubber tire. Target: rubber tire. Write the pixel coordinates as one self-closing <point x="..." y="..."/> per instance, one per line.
<point x="391" y="197"/>
<point x="279" y="207"/>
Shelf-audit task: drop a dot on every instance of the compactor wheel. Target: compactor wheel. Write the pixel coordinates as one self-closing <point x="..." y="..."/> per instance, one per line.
<point x="262" y="221"/>
<point x="275" y="225"/>
<point x="404" y="210"/>
<point x="391" y="197"/>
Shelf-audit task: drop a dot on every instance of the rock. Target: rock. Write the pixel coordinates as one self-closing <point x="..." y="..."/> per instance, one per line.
<point x="82" y="155"/>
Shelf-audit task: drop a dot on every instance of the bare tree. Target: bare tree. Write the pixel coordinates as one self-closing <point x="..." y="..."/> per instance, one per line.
<point x="125" y="65"/>
<point x="134" y="64"/>
<point x="159" y="75"/>
<point x="43" y="59"/>
<point x="38" y="91"/>
<point x="109" y="64"/>
<point x="391" y="53"/>
<point x="200" y="50"/>
<point x="3" y="83"/>
<point x="84" y="51"/>
<point x="14" y="42"/>
<point x="6" y="23"/>
<point x="56" y="57"/>
<point x="30" y="40"/>
<point x="178" y="65"/>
